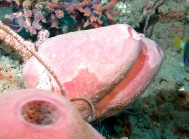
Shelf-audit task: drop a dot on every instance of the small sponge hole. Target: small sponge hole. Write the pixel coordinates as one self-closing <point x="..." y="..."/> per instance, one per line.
<point x="40" y="112"/>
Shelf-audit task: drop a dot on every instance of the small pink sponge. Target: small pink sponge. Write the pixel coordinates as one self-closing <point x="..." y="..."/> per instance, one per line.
<point x="39" y="114"/>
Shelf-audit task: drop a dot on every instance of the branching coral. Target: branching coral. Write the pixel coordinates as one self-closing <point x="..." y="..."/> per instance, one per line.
<point x="27" y="23"/>
<point x="91" y="10"/>
<point x="86" y="13"/>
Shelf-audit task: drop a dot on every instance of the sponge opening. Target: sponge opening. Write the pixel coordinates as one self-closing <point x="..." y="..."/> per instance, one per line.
<point x="40" y="112"/>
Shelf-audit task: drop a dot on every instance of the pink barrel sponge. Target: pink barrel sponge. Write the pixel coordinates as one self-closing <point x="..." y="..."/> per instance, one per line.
<point x="40" y="114"/>
<point x="92" y="63"/>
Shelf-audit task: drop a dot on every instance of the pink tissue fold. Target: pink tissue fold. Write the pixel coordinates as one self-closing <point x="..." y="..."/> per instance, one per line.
<point x="135" y="82"/>
<point x="107" y="65"/>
